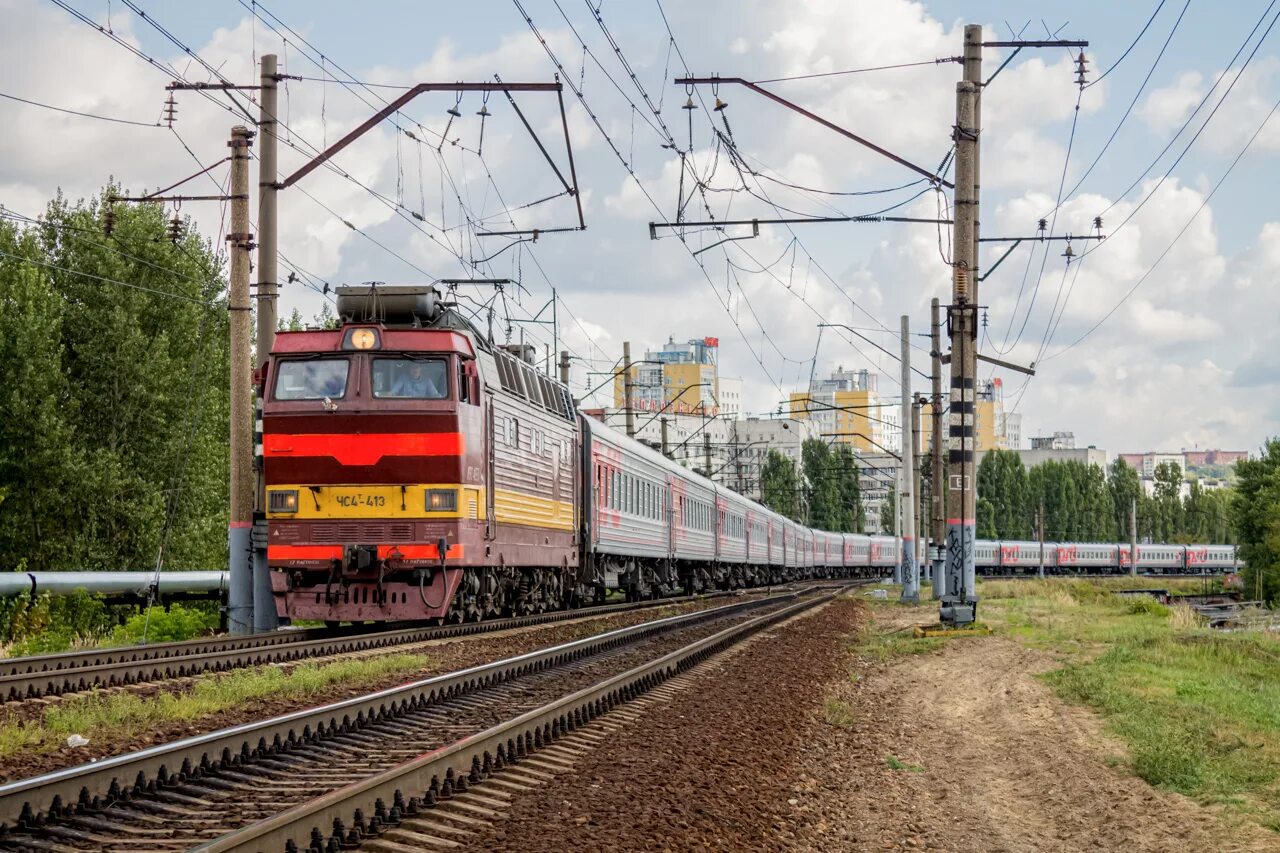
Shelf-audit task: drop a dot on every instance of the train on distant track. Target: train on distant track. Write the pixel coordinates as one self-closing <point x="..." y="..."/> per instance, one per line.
<point x="1102" y="558"/>
<point x="416" y="471"/>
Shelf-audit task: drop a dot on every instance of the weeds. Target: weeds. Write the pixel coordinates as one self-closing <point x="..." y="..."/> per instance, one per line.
<point x="1198" y="709"/>
<point x="119" y="716"/>
<point x="897" y="764"/>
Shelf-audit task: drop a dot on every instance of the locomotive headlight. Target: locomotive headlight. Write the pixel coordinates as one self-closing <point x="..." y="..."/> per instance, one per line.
<point x="282" y="500"/>
<point x="442" y="500"/>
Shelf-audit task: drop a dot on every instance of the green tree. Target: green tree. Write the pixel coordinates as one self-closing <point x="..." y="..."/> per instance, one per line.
<point x="852" y="517"/>
<point x="1125" y="489"/>
<point x="137" y="372"/>
<point x="1255" y="513"/>
<point x="1167" y="495"/>
<point x="986" y="520"/>
<point x="1002" y="482"/>
<point x="822" y="486"/>
<point x="779" y="486"/>
<point x="889" y="512"/>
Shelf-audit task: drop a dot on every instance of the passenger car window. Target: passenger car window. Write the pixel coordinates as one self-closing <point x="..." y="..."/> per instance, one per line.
<point x="410" y="378"/>
<point x="313" y="379"/>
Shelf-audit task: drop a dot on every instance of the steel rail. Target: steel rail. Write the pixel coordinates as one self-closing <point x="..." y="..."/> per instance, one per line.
<point x="88" y="788"/>
<point x="33" y="677"/>
<point x="380" y="802"/>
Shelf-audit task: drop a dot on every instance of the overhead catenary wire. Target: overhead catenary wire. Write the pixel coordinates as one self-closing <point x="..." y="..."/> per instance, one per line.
<point x="112" y="119"/>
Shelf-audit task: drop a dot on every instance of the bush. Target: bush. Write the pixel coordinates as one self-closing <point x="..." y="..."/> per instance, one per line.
<point x="1145" y="604"/>
<point x="177" y="623"/>
<point x="53" y="623"/>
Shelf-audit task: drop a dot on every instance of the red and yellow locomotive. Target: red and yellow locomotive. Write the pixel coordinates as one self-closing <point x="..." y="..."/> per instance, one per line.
<point x="413" y="471"/>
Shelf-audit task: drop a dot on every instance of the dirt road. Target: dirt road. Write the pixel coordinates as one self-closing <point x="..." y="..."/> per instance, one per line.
<point x="988" y="759"/>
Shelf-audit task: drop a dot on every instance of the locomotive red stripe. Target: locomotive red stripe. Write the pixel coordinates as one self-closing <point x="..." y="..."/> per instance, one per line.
<point x="304" y="552"/>
<point x="362" y="449"/>
<point x="419" y="552"/>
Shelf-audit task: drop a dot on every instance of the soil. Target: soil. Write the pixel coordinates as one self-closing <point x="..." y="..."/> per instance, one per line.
<point x="445" y="656"/>
<point x="788" y="744"/>
<point x="990" y="760"/>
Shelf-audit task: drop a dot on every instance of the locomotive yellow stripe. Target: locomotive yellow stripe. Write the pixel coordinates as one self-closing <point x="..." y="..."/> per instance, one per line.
<point x="384" y="502"/>
<point x="512" y="507"/>
<point x="378" y="501"/>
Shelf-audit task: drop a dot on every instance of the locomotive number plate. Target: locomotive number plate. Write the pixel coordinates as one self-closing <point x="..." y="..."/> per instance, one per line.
<point x="360" y="499"/>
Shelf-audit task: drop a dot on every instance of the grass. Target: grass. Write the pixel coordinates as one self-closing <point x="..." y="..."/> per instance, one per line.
<point x="1199" y="710"/>
<point x="896" y="763"/>
<point x="120" y="716"/>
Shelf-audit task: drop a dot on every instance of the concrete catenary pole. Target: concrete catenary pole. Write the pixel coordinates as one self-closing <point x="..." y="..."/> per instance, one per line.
<point x="910" y="571"/>
<point x="937" y="497"/>
<point x="1133" y="536"/>
<point x="240" y="591"/>
<point x="264" y="610"/>
<point x="666" y="447"/>
<point x="564" y="368"/>
<point x="959" y="603"/>
<point x="267" y="211"/>
<point x="706" y="452"/>
<point x="922" y="508"/>
<point x="626" y="389"/>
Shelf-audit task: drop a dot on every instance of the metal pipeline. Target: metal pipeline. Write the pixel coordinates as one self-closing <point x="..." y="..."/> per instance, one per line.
<point x="110" y="582"/>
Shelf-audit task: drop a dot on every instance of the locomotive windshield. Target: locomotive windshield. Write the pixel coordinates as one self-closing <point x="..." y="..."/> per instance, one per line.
<point x="313" y="379"/>
<point x="410" y="378"/>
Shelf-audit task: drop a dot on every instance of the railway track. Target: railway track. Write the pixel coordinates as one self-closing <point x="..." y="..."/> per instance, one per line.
<point x="260" y="785"/>
<point x="70" y="672"/>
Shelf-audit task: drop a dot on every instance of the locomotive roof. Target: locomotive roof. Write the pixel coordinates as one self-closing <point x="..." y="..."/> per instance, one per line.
<point x="330" y="340"/>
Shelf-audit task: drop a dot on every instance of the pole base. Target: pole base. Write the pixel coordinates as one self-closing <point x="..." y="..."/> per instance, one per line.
<point x="956" y="613"/>
<point x="971" y="630"/>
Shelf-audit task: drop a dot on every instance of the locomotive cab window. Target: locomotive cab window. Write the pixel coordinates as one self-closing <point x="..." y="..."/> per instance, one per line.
<point x="410" y="378"/>
<point x="311" y="379"/>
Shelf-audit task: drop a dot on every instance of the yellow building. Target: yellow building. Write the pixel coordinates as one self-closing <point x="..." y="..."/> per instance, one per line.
<point x="846" y="409"/>
<point x="680" y="378"/>
<point x="995" y="429"/>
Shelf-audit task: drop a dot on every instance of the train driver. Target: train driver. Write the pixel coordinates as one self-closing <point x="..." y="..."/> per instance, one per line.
<point x="415" y="383"/>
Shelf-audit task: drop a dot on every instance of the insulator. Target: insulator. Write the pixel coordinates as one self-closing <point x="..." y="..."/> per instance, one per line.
<point x="1043" y="225"/>
<point x="961" y="284"/>
<point x="720" y="105"/>
<point x="175" y="228"/>
<point x="1097" y="222"/>
<point x="1081" y="69"/>
<point x="483" y="112"/>
<point x="688" y="104"/>
<point x="1069" y="253"/>
<point x="454" y="111"/>
<point x="109" y="221"/>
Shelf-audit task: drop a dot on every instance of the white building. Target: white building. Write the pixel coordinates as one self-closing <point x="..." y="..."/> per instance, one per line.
<point x="750" y="441"/>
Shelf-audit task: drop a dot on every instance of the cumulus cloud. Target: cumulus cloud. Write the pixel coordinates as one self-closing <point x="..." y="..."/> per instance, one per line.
<point x="1179" y="362"/>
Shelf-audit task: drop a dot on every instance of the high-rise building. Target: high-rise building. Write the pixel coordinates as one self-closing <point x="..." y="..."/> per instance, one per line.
<point x="994" y="428"/>
<point x="846" y="408"/>
<point x="680" y="378"/>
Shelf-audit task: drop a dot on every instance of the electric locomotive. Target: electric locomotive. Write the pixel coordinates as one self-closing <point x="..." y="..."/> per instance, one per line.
<point x="414" y="471"/>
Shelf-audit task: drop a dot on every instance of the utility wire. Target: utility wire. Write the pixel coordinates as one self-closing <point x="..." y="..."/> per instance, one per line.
<point x="78" y="113"/>
<point x="1135" y="41"/>
<point x="940" y="61"/>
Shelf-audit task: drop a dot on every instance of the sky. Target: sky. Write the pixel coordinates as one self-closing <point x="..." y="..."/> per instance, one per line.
<point x="1159" y="337"/>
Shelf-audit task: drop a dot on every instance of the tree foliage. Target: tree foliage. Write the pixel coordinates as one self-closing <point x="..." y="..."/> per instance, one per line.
<point x="1256" y="518"/>
<point x="116" y="403"/>
<point x="779" y="487"/>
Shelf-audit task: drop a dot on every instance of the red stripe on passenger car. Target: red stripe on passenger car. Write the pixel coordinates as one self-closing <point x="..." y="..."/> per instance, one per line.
<point x="362" y="449"/>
